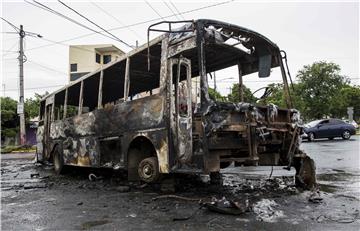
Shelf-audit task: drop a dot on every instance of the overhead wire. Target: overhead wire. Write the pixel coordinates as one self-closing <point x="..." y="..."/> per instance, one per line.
<point x="177" y="9"/>
<point x="36" y="88"/>
<point x="148" y="3"/>
<point x="48" y="68"/>
<point x="135" y="24"/>
<point x="12" y="25"/>
<point x="87" y="19"/>
<point x="44" y="7"/>
<point x="167" y="5"/>
<point x="116" y="19"/>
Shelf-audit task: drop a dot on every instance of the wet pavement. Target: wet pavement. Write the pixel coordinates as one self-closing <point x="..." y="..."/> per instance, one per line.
<point x="33" y="198"/>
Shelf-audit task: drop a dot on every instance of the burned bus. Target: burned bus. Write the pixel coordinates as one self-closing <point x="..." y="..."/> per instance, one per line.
<point x="150" y="113"/>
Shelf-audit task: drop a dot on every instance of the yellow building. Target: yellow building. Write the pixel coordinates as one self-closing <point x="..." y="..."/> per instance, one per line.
<point x="84" y="59"/>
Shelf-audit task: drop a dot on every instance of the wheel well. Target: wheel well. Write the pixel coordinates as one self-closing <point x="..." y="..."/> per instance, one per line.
<point x="140" y="148"/>
<point x="51" y="157"/>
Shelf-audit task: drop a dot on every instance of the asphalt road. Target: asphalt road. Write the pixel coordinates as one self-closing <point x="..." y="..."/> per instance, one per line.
<point x="33" y="198"/>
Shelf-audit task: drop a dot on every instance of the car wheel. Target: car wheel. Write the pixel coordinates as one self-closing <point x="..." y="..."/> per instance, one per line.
<point x="346" y="135"/>
<point x="311" y="136"/>
<point x="148" y="170"/>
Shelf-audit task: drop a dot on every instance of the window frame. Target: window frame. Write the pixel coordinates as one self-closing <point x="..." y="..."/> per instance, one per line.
<point x="105" y="61"/>
<point x="73" y="65"/>
<point x="97" y="58"/>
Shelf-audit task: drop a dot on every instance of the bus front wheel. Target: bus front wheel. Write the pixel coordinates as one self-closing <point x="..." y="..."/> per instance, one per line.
<point x="148" y="170"/>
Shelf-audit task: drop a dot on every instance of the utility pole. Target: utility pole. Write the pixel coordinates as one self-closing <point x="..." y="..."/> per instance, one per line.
<point x="20" y="108"/>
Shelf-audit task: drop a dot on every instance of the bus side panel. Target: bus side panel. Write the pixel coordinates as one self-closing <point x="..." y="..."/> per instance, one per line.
<point x="79" y="136"/>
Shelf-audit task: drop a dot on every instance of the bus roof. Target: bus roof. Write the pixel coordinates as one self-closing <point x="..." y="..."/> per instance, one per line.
<point x="251" y="38"/>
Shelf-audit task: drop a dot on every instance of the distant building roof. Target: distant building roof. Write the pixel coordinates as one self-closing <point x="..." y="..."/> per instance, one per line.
<point x="100" y="47"/>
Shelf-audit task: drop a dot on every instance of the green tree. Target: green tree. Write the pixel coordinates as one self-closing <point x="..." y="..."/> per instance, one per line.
<point x="9" y="117"/>
<point x="349" y="96"/>
<point x="32" y="106"/>
<point x="319" y="87"/>
<point x="234" y="95"/>
<point x="276" y="95"/>
<point x="216" y="96"/>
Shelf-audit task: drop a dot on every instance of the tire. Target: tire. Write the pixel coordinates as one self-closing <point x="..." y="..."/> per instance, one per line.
<point x="148" y="170"/>
<point x="346" y="134"/>
<point x="58" y="162"/>
<point x="311" y="137"/>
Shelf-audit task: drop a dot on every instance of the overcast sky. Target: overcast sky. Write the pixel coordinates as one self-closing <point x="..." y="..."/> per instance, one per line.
<point x="307" y="31"/>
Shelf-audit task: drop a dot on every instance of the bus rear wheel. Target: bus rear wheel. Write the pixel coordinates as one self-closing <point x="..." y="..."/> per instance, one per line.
<point x="148" y="170"/>
<point x="58" y="162"/>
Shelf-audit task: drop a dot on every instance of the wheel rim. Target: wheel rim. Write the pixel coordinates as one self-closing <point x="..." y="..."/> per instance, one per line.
<point x="147" y="171"/>
<point x="311" y="136"/>
<point x="346" y="134"/>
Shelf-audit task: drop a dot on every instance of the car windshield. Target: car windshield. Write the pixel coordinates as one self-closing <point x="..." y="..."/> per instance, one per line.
<point x="312" y="123"/>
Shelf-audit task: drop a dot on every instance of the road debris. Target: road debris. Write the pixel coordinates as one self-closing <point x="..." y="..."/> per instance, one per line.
<point x="315" y="197"/>
<point x="267" y="210"/>
<point x="35" y="185"/>
<point x="34" y="175"/>
<point x="93" y="177"/>
<point x="177" y="197"/>
<point x="225" y="206"/>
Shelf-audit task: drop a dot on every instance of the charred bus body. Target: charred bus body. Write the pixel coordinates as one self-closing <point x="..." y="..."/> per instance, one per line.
<point x="150" y="112"/>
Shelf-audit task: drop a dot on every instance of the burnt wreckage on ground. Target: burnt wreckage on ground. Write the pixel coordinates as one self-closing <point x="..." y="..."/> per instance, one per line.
<point x="150" y="112"/>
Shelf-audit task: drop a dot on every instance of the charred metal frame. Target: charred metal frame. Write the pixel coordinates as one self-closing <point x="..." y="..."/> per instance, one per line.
<point x="138" y="128"/>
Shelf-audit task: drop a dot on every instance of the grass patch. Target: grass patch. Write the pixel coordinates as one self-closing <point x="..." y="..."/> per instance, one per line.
<point x="17" y="148"/>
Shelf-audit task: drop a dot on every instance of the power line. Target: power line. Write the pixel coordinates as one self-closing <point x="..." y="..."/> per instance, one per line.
<point x="177" y="10"/>
<point x="44" y="7"/>
<point x="59" y="43"/>
<point x="136" y="24"/>
<point x="12" y="25"/>
<point x="148" y="3"/>
<point x="167" y="5"/>
<point x="35" y="88"/>
<point x="87" y="19"/>
<point x="116" y="19"/>
<point x="7" y="32"/>
<point x="47" y="68"/>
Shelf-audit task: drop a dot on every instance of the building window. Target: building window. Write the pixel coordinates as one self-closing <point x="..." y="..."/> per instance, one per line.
<point x="97" y="58"/>
<point x="106" y="59"/>
<point x="73" y="67"/>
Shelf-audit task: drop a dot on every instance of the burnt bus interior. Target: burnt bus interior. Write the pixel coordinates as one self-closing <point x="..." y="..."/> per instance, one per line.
<point x="221" y="132"/>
